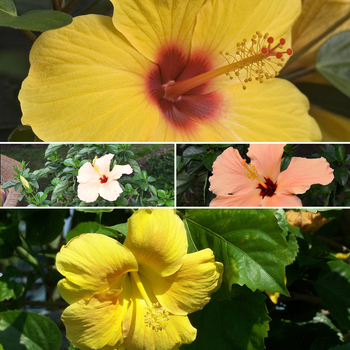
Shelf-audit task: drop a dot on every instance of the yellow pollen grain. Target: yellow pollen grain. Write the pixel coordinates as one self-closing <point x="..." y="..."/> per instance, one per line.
<point x="251" y="173"/>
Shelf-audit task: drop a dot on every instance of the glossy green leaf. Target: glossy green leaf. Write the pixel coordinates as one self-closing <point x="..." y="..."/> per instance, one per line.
<point x="37" y="20"/>
<point x="9" y="289"/>
<point x="84" y="227"/>
<point x="249" y="242"/>
<point x="237" y="324"/>
<point x="8" y="6"/>
<point x="333" y="286"/>
<point x="208" y="160"/>
<point x="340" y="152"/>
<point x="133" y="163"/>
<point x="43" y="227"/>
<point x="9" y="240"/>
<point x="333" y="61"/>
<point x="59" y="189"/>
<point x="341" y="175"/>
<point x="52" y="148"/>
<point x="20" y="330"/>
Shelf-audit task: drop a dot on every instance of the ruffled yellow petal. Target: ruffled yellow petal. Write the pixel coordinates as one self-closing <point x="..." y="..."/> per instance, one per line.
<point x="268" y="112"/>
<point x="86" y="83"/>
<point x="96" y="323"/>
<point x="221" y="24"/>
<point x="188" y="289"/>
<point x="334" y="127"/>
<point x="149" y="24"/>
<point x="138" y="336"/>
<point x="92" y="263"/>
<point x="158" y="240"/>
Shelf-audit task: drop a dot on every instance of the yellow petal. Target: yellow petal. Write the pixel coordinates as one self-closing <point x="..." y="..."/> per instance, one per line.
<point x="188" y="289"/>
<point x="334" y="127"/>
<point x="84" y="80"/>
<point x="149" y="24"/>
<point x="137" y="336"/>
<point x="92" y="263"/>
<point x="272" y="111"/>
<point x="158" y="240"/>
<point x="96" y="323"/>
<point x="221" y="24"/>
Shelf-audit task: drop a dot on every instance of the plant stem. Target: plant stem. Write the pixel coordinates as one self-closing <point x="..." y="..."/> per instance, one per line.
<point x="69" y="6"/>
<point x="298" y="73"/>
<point x="30" y="35"/>
<point x="56" y="4"/>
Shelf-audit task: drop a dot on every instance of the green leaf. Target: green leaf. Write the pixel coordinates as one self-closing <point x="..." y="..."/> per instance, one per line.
<point x="9" y="289"/>
<point x="122" y="228"/>
<point x="84" y="227"/>
<point x="69" y="162"/>
<point x="8" y="6"/>
<point x="21" y="330"/>
<point x="52" y="148"/>
<point x="341" y="175"/>
<point x="9" y="184"/>
<point x="249" y="243"/>
<point x="38" y="20"/>
<point x="9" y="240"/>
<point x="43" y="227"/>
<point x="208" y="160"/>
<point x="239" y="324"/>
<point x="333" y="286"/>
<point x="133" y="163"/>
<point x="333" y="61"/>
<point x="340" y="152"/>
<point x="113" y="149"/>
<point x="59" y="189"/>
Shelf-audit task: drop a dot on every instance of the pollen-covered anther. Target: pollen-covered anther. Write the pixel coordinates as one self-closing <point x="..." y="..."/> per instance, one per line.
<point x="251" y="173"/>
<point x="258" y="59"/>
<point x="156" y="317"/>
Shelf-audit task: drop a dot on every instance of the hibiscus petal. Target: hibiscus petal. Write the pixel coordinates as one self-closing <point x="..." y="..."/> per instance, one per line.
<point x="86" y="83"/>
<point x="110" y="190"/>
<point x="92" y="263"/>
<point x="221" y="24"/>
<point x="119" y="170"/>
<point x="302" y="173"/>
<point x="267" y="159"/>
<point x="158" y="240"/>
<point x="149" y="24"/>
<point x="272" y="111"/>
<point x="88" y="192"/>
<point x="250" y="199"/>
<point x="96" y="323"/>
<point x="188" y="289"/>
<point x="138" y="336"/>
<point x="282" y="200"/>
<point x="229" y="174"/>
<point x="103" y="163"/>
<point x="88" y="174"/>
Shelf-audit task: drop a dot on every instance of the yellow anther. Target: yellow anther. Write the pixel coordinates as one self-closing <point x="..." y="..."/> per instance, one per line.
<point x="251" y="173"/>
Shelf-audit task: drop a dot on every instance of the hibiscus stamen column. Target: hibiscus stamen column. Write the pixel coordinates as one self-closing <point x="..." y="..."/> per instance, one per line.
<point x="251" y="173"/>
<point x="257" y="60"/>
<point x="156" y="316"/>
<point x="103" y="178"/>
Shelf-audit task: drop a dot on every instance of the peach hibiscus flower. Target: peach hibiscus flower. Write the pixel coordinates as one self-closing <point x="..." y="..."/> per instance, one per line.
<point x="168" y="71"/>
<point x="96" y="179"/>
<point x="261" y="183"/>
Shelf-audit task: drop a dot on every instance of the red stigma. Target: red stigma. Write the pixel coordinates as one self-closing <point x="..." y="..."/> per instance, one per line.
<point x="270" y="40"/>
<point x="289" y="52"/>
<point x="282" y="41"/>
<point x="279" y="54"/>
<point x="103" y="179"/>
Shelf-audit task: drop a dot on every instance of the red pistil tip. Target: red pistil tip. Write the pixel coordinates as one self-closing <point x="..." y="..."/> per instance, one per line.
<point x="270" y="40"/>
<point x="264" y="50"/>
<point x="279" y="54"/>
<point x="282" y="41"/>
<point x="289" y="52"/>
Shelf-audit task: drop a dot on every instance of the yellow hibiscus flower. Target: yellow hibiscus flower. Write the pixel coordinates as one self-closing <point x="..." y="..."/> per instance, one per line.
<point x="136" y="295"/>
<point x="161" y="71"/>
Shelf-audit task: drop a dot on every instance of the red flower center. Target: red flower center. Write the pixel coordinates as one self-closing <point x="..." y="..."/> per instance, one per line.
<point x="103" y="179"/>
<point x="270" y="190"/>
<point x="193" y="105"/>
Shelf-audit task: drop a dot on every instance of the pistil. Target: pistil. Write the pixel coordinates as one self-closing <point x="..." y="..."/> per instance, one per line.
<point x="156" y="316"/>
